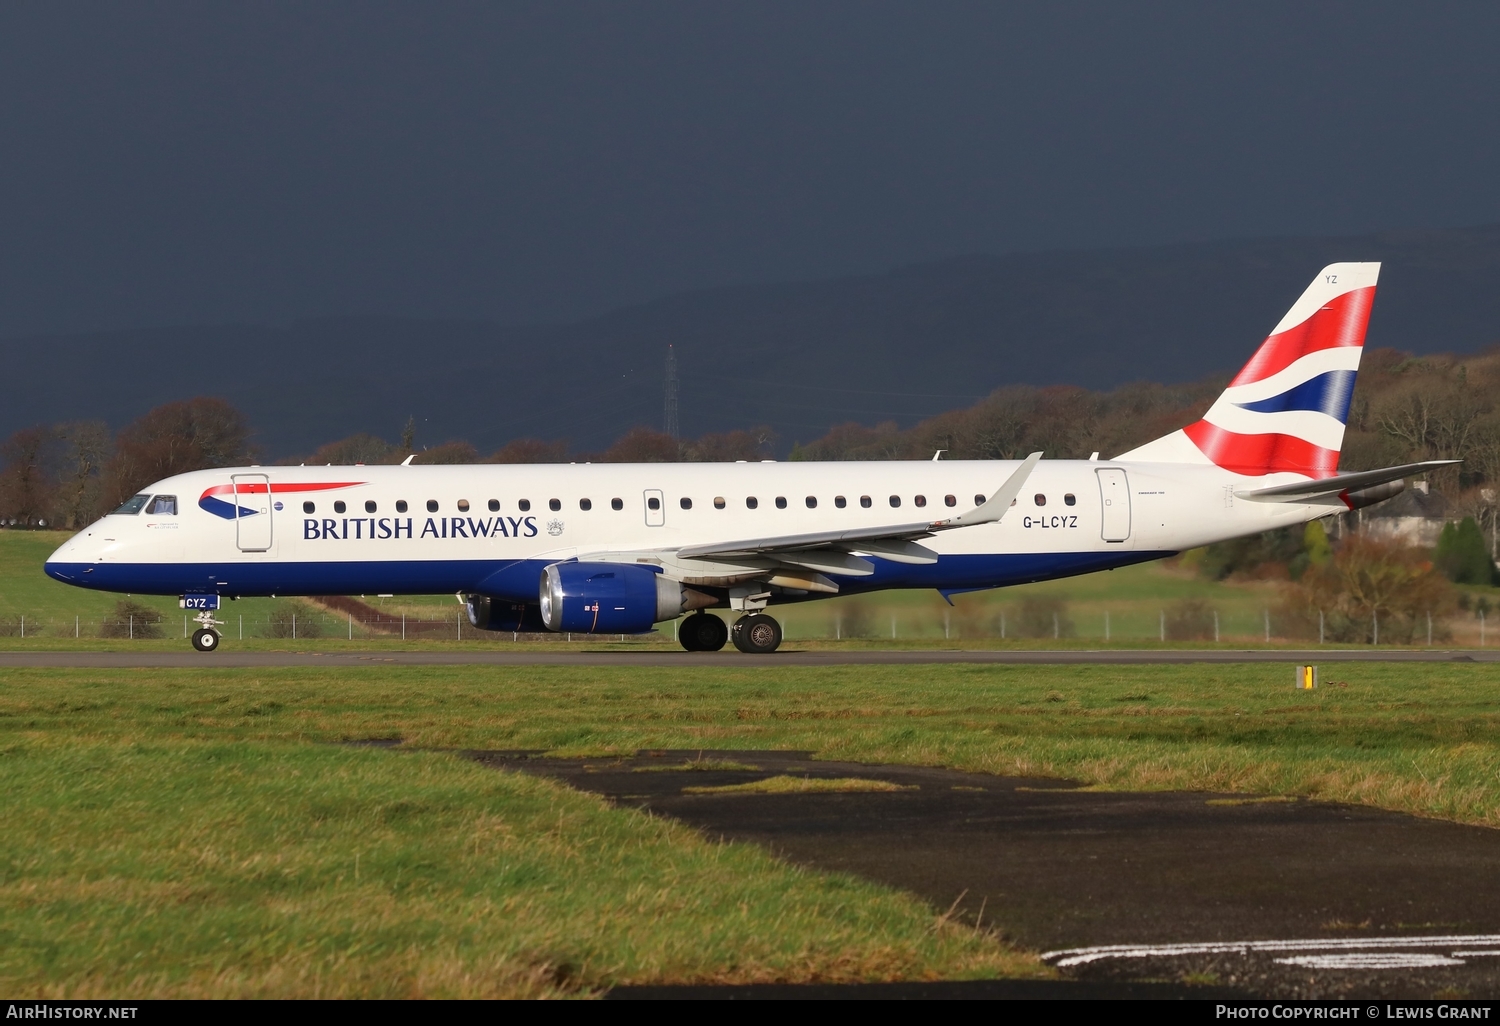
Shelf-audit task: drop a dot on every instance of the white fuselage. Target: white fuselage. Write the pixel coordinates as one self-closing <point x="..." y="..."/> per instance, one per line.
<point x="491" y="529"/>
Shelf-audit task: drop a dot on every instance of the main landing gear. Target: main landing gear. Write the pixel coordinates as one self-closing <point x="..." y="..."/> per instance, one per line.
<point x="754" y="634"/>
<point x="702" y="632"/>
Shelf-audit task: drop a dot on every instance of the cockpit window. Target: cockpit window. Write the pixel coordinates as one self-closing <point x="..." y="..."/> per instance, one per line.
<point x="132" y="505"/>
<point x="163" y="505"/>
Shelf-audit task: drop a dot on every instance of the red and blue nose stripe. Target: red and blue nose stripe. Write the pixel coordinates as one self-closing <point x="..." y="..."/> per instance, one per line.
<point x="209" y="502"/>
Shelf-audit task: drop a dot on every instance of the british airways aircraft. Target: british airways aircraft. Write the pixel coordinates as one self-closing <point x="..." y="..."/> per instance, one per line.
<point x="618" y="548"/>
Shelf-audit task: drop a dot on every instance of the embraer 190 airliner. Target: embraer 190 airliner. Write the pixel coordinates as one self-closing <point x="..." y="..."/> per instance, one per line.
<point x="619" y="548"/>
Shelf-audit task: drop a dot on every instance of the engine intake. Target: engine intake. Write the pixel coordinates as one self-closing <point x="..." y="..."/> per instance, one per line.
<point x="613" y="598"/>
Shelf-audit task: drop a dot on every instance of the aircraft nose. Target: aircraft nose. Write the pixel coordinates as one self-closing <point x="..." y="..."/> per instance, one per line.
<point x="64" y="564"/>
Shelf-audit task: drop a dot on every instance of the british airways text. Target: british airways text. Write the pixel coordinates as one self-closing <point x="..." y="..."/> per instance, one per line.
<point x="434" y="527"/>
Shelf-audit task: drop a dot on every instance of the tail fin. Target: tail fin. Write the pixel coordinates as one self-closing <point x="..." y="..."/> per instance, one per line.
<point x="1285" y="411"/>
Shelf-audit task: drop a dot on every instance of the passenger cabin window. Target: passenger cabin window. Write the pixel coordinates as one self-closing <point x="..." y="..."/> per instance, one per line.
<point x="979" y="500"/>
<point x="718" y="502"/>
<point x="370" y="506"/>
<point x="840" y="501"/>
<point x="616" y="503"/>
<point x="463" y="505"/>
<point x="132" y="505"/>
<point x="163" y="505"/>
<point x="653" y="503"/>
<point x="750" y="502"/>
<point x="1039" y="499"/>
<point x="400" y="505"/>
<point x="865" y="501"/>
<point x="920" y="500"/>
<point x="585" y="504"/>
<point x="494" y="505"/>
<point x="950" y="500"/>
<point x="1070" y="499"/>
<point x="554" y="504"/>
<point x="308" y="507"/>
<point x="895" y="501"/>
<point x="339" y="507"/>
<point x="432" y="506"/>
<point x="524" y="505"/>
<point x="685" y="502"/>
<point x="812" y="502"/>
<point x="781" y="502"/>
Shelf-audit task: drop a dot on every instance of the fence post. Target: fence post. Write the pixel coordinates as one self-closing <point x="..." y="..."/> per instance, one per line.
<point x="1055" y="627"/>
<point x="1216" y="626"/>
<point x="1106" y="625"/>
<point x="838" y="628"/>
<point x="184" y="625"/>
<point x="1266" y="616"/>
<point x="945" y="625"/>
<point x="1162" y="624"/>
<point x="132" y="626"/>
<point x="351" y="626"/>
<point x="75" y="628"/>
<point x="294" y="626"/>
<point x="1481" y="628"/>
<point x="1002" y="625"/>
<point x="23" y="627"/>
<point x="893" y="625"/>
<point x="1374" y="627"/>
<point x="403" y="626"/>
<point x="460" y="635"/>
<point x="1429" y="628"/>
<point x="1320" y="626"/>
<point x="242" y="626"/>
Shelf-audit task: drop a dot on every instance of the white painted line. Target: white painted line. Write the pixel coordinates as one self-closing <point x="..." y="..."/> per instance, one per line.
<point x="1081" y="956"/>
<point x="1370" y="960"/>
<point x="1476" y="954"/>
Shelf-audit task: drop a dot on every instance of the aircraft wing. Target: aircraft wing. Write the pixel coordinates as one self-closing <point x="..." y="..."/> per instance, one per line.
<point x="832" y="550"/>
<point x="1333" y="487"/>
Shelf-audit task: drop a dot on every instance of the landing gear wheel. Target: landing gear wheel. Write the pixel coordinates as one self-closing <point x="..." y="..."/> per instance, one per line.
<point x="702" y="632"/>
<point x="756" y="634"/>
<point x="205" y="640"/>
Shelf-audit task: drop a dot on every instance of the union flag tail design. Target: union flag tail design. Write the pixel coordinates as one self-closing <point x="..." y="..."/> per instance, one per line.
<point x="1285" y="411"/>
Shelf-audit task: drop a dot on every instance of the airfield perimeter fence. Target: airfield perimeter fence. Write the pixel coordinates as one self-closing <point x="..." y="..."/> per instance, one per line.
<point x="1131" y="626"/>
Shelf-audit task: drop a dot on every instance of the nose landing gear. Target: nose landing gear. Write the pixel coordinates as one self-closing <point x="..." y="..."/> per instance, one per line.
<point x="756" y="634"/>
<point x="205" y="638"/>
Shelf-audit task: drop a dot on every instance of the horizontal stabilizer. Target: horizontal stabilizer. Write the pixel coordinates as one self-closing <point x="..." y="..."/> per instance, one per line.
<point x="1333" y="487"/>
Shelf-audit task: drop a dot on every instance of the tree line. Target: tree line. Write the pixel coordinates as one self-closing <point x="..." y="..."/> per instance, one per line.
<point x="1404" y="409"/>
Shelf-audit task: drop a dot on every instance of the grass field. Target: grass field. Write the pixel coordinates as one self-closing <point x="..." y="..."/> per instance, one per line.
<point x="1129" y="603"/>
<point x="201" y="833"/>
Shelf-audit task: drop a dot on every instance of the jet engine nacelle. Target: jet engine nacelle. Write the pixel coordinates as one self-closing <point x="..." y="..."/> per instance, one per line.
<point x="494" y="614"/>
<point x="613" y="598"/>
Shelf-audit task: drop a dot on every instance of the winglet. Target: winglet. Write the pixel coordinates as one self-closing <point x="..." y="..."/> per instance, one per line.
<point x="407" y="462"/>
<point x="994" y="508"/>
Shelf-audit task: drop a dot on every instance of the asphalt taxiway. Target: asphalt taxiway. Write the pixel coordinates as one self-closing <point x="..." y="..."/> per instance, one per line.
<point x="229" y="658"/>
<point x="1266" y="895"/>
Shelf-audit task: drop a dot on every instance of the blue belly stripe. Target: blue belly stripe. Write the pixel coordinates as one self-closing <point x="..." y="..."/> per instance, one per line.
<point x="518" y="580"/>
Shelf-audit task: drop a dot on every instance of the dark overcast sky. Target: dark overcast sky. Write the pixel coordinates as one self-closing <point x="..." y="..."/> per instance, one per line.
<point x="179" y="163"/>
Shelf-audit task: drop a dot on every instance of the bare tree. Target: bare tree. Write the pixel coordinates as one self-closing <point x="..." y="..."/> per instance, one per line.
<point x="86" y="448"/>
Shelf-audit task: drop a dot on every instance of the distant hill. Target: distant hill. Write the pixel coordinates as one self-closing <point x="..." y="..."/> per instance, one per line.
<point x="798" y="356"/>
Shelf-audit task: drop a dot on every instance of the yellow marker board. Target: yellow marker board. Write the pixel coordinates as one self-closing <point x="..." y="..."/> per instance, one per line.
<point x="1306" y="679"/>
